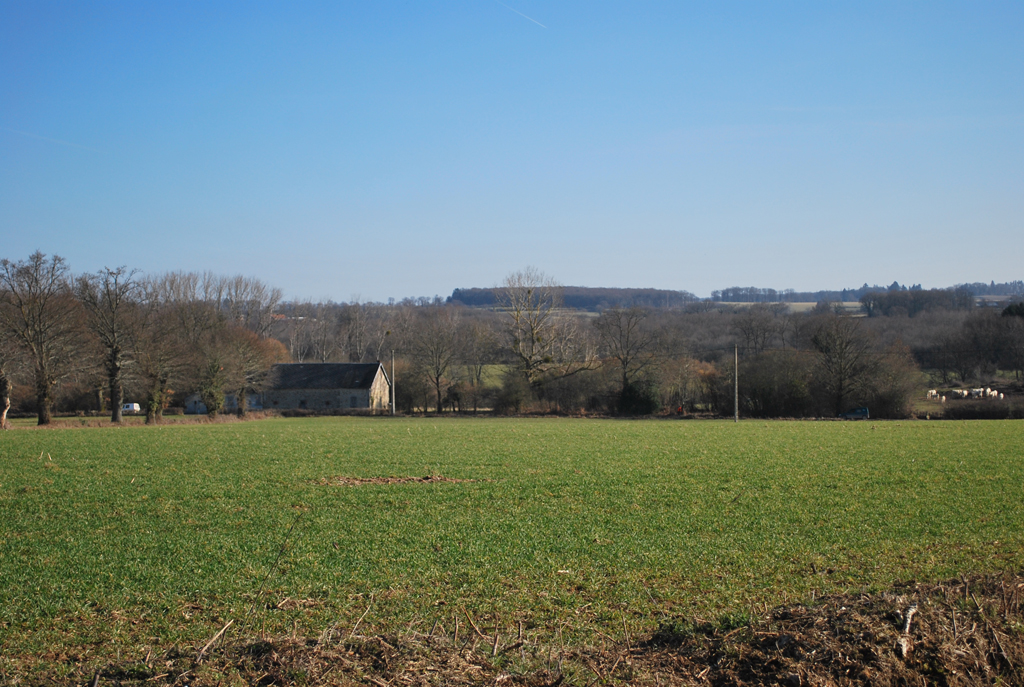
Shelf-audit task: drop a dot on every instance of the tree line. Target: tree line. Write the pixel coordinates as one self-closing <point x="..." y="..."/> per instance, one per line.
<point x="84" y="342"/>
<point x="753" y="294"/>
<point x="528" y="351"/>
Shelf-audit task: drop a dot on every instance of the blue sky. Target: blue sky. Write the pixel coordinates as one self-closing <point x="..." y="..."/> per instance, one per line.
<point x="393" y="149"/>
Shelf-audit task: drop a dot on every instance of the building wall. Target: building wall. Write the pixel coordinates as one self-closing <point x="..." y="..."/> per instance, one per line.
<point x="380" y="393"/>
<point x="377" y="397"/>
<point x="316" y="399"/>
<point x="194" y="404"/>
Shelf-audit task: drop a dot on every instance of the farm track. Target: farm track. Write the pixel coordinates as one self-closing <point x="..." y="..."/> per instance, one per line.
<point x="962" y="632"/>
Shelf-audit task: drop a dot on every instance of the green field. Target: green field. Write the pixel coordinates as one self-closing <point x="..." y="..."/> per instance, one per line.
<point x="116" y="540"/>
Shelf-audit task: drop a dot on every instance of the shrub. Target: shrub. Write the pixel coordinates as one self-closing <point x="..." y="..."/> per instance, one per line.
<point x="572" y="393"/>
<point x="639" y="398"/>
<point x="514" y="394"/>
<point x="777" y="384"/>
<point x="983" y="410"/>
<point x="893" y="383"/>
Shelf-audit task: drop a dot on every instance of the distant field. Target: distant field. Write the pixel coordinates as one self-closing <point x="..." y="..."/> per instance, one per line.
<point x="852" y="307"/>
<point x="493" y="375"/>
<point x="123" y="539"/>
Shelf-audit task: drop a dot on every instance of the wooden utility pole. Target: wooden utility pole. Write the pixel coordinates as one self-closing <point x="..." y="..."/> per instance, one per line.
<point x="392" y="381"/>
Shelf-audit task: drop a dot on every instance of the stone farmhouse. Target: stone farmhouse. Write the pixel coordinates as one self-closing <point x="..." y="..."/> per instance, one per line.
<point x="327" y="386"/>
<point x="194" y="404"/>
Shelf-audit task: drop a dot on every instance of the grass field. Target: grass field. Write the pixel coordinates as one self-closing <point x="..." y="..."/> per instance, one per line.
<point x="117" y="540"/>
<point x="76" y="421"/>
<point x="850" y="307"/>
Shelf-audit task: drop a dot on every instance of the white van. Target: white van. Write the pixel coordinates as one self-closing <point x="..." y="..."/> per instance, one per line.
<point x="131" y="408"/>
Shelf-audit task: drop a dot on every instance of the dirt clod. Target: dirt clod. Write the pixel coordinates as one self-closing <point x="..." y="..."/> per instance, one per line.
<point x="357" y="481"/>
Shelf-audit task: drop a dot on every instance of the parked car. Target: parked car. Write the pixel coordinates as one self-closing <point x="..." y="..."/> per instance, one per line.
<point x="855" y="414"/>
<point x="131" y="408"/>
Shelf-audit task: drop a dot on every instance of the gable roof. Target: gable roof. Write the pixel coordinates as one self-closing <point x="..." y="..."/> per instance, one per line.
<point x="322" y="375"/>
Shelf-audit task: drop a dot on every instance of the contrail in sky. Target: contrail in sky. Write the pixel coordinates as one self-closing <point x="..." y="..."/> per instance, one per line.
<point x="51" y="140"/>
<point x="520" y="14"/>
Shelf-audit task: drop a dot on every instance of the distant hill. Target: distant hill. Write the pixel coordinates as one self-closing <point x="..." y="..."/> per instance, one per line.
<point x="752" y="294"/>
<point x="587" y="298"/>
<point x="1012" y="288"/>
<point x="596" y="299"/>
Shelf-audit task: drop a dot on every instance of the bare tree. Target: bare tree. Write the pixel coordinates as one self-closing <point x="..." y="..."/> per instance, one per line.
<point x="893" y="383"/>
<point x="251" y="303"/>
<point x="9" y="362"/>
<point x="958" y="353"/>
<point x="5" y="397"/>
<point x="544" y="343"/>
<point x="212" y="379"/>
<point x="627" y="339"/>
<point x="844" y="357"/>
<point x="110" y="300"/>
<point x="217" y="367"/>
<point x="436" y="345"/>
<point x="323" y="331"/>
<point x="297" y="331"/>
<point x="294" y="327"/>
<point x="386" y="327"/>
<point x="195" y="298"/>
<point x="529" y="299"/>
<point x="249" y="358"/>
<point x="1013" y="326"/>
<point x="40" y="312"/>
<point x="789" y="328"/>
<point x="688" y="383"/>
<point x="479" y="348"/>
<point x="756" y="325"/>
<point x="354" y="324"/>
<point x="162" y="350"/>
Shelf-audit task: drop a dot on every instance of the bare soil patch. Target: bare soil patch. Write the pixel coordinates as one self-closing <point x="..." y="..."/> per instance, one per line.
<point x="342" y="481"/>
<point x="963" y="632"/>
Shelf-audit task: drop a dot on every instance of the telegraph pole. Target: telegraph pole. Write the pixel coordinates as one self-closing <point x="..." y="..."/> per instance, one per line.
<point x="736" y="384"/>
<point x="392" y="382"/>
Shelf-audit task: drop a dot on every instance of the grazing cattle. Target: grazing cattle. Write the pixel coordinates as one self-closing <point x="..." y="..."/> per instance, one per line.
<point x="943" y="399"/>
<point x="932" y="393"/>
<point x="1001" y="397"/>
<point x="977" y="393"/>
